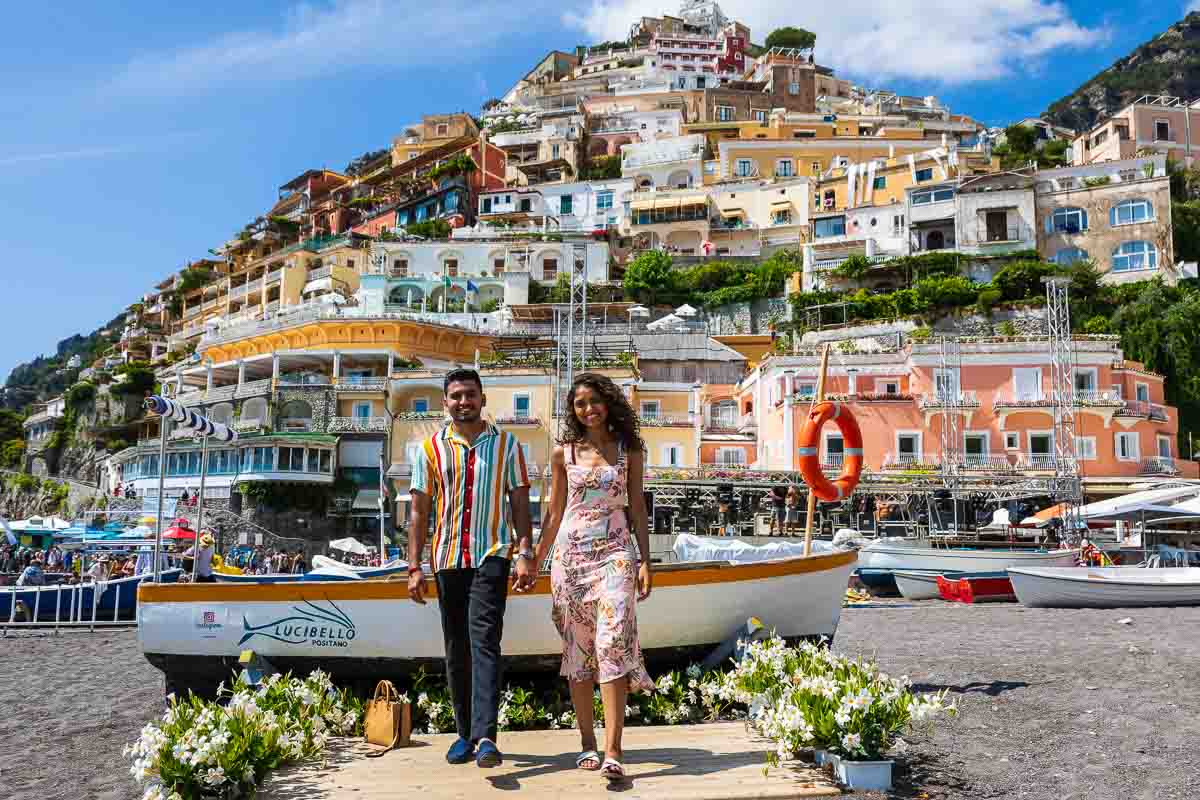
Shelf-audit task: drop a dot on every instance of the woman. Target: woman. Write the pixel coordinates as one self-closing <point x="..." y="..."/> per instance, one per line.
<point x="595" y="498"/>
<point x="793" y="506"/>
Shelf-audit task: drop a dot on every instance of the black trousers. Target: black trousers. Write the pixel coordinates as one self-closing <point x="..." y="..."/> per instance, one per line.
<point x="473" y="602"/>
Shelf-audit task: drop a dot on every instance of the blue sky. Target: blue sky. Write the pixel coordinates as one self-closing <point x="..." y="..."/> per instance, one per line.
<point x="133" y="137"/>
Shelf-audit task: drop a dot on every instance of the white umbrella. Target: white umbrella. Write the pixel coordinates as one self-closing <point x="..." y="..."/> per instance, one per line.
<point x="665" y="323"/>
<point x="686" y="311"/>
<point x="349" y="545"/>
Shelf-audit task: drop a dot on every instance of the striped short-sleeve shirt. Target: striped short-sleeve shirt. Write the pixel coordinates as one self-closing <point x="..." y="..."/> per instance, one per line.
<point x="469" y="485"/>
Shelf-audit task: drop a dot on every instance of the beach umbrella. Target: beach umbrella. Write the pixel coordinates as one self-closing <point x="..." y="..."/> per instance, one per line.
<point x="349" y="545"/>
<point x="179" y="530"/>
<point x="685" y="311"/>
<point x="669" y="322"/>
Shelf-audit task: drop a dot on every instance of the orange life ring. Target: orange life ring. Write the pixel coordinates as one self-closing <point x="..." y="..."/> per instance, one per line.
<point x="810" y="462"/>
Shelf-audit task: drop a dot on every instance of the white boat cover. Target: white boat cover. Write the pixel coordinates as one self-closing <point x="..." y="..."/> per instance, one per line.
<point x="689" y="548"/>
<point x="323" y="565"/>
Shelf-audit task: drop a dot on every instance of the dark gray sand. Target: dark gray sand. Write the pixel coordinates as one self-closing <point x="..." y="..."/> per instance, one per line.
<point x="1054" y="704"/>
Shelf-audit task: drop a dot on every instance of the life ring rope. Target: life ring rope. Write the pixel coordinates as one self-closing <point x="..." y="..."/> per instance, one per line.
<point x="809" y="451"/>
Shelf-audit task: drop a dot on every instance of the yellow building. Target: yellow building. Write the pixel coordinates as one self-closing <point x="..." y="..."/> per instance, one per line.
<point x="435" y="130"/>
<point x="670" y="422"/>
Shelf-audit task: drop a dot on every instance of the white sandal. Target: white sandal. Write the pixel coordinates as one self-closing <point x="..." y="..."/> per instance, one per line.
<point x="612" y="770"/>
<point x="589" y="755"/>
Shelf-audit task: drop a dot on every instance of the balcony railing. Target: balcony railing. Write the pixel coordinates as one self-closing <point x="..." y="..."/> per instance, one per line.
<point x="1092" y="397"/>
<point x="922" y="462"/>
<point x="1022" y="401"/>
<point x="1000" y="235"/>
<point x="883" y="397"/>
<point x="296" y="424"/>
<point x="238" y="291"/>
<point x="1159" y="465"/>
<point x="321" y="272"/>
<point x="963" y="399"/>
<point x="361" y="383"/>
<point x="191" y="312"/>
<point x="305" y="380"/>
<point x="518" y="419"/>
<point x="1140" y="408"/>
<point x="668" y="421"/>
<point x="1041" y="461"/>
<point x="249" y="424"/>
<point x="358" y="425"/>
<point x="746" y="423"/>
<point x="988" y="462"/>
<point x="254" y="388"/>
<point x="722" y="423"/>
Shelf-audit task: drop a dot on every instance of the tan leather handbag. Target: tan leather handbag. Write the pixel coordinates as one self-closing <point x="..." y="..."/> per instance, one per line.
<point x="388" y="721"/>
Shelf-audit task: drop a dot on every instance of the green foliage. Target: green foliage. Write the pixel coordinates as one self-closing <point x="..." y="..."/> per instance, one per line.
<point x="602" y="168"/>
<point x="12" y="453"/>
<point x="988" y="299"/>
<point x="649" y="276"/>
<point x="1185" y="219"/>
<point x="459" y="164"/>
<point x="194" y="278"/>
<point x="138" y="381"/>
<point x="789" y="36"/>
<point x="429" y="229"/>
<point x="27" y="483"/>
<point x="1097" y="325"/>
<point x="1021" y="279"/>
<point x="80" y="395"/>
<point x="921" y="334"/>
<point x="853" y="268"/>
<point x="489" y="306"/>
<point x="951" y="291"/>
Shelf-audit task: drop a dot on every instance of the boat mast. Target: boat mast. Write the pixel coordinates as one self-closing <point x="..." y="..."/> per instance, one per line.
<point x="819" y="397"/>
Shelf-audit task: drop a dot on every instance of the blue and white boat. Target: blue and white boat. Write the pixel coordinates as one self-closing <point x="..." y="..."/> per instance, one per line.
<point x="324" y="569"/>
<point x="117" y="599"/>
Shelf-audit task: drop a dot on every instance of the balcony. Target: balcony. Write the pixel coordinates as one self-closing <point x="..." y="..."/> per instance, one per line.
<point x="1010" y="402"/>
<point x="987" y="462"/>
<point x="518" y="419"/>
<point x="882" y="397"/>
<point x="911" y="462"/>
<point x="357" y="383"/>
<point x="1043" y="462"/>
<point x="668" y="421"/>
<point x="747" y="424"/>
<point x="247" y="424"/>
<point x="319" y="273"/>
<point x="1002" y="234"/>
<point x="273" y="277"/>
<point x="253" y="388"/>
<point x="305" y="379"/>
<point x="1091" y="398"/>
<point x="296" y="424"/>
<point x="358" y="425"/>
<point x="1142" y="410"/>
<point x="722" y="423"/>
<point x="238" y="292"/>
<point x="1159" y="465"/>
<point x="272" y="306"/>
<point x="964" y="399"/>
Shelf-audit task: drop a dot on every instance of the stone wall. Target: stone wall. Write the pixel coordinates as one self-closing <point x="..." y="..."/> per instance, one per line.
<point x="322" y="400"/>
<point x="755" y="317"/>
<point x="1026" y="321"/>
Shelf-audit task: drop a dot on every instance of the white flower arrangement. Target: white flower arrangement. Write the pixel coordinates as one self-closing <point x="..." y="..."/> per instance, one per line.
<point x="203" y="749"/>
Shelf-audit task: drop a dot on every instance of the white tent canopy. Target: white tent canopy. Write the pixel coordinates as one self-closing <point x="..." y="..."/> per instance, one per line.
<point x="349" y="545"/>
<point x="40" y="524"/>
<point x="1150" y="503"/>
<point x="685" y="311"/>
<point x="669" y="322"/>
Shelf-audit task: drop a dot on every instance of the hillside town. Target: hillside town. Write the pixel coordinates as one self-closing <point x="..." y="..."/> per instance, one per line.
<point x="854" y="350"/>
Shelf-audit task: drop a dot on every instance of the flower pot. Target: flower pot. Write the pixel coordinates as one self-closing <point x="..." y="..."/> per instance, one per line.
<point x="863" y="775"/>
<point x="820" y="756"/>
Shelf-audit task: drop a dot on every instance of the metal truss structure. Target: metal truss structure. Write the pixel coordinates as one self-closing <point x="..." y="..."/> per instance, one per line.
<point x="570" y="332"/>
<point x="1067" y="487"/>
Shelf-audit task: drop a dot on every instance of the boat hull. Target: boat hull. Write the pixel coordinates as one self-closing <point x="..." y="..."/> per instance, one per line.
<point x="1106" y="587"/>
<point x="936" y="559"/>
<point x="914" y="585"/>
<point x="362" y="629"/>
<point x="118" y="599"/>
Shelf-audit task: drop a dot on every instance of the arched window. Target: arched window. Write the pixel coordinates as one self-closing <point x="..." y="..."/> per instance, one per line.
<point x="1132" y="256"/>
<point x="1069" y="220"/>
<point x="1130" y="212"/>
<point x="1069" y="255"/>
<point x="222" y="413"/>
<point x="254" y="411"/>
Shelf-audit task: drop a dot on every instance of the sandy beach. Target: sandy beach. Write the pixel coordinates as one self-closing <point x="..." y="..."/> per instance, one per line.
<point x="1054" y="704"/>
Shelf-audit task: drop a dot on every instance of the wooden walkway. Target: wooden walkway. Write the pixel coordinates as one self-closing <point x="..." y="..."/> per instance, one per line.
<point x="694" y="762"/>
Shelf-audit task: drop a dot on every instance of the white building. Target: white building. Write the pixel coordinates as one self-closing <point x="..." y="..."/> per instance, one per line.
<point x="664" y="164"/>
<point x="568" y="207"/>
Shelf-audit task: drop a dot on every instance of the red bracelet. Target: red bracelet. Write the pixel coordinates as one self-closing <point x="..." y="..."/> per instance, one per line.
<point x="412" y="570"/>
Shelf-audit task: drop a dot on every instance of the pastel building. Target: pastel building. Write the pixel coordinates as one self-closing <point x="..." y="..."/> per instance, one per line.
<point x="1123" y="427"/>
<point x="1152" y="123"/>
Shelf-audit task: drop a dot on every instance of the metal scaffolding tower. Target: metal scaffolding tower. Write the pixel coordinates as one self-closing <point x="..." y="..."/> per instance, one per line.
<point x="950" y="401"/>
<point x="1067" y="487"/>
<point x="570" y="332"/>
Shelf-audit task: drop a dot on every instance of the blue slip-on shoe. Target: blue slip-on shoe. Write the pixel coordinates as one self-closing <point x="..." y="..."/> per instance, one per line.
<point x="488" y="755"/>
<point x="460" y="752"/>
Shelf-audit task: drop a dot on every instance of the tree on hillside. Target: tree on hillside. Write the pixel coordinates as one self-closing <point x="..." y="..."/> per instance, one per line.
<point x="789" y="36"/>
<point x="648" y="276"/>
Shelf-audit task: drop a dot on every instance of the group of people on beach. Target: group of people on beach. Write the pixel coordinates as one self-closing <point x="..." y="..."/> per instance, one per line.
<point x="474" y="475"/>
<point x="32" y="566"/>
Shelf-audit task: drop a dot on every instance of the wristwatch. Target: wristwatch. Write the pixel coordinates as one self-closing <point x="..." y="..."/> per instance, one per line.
<point x="526" y="554"/>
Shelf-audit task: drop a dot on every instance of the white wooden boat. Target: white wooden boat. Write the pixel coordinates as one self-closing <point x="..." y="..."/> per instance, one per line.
<point x="359" y="630"/>
<point x="919" y="556"/>
<point x="1106" y="587"/>
<point x="917" y="585"/>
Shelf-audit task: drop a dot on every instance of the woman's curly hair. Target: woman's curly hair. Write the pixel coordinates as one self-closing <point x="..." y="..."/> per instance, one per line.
<point x="622" y="419"/>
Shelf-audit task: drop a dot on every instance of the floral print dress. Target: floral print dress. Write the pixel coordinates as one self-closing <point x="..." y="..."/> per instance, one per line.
<point x="594" y="578"/>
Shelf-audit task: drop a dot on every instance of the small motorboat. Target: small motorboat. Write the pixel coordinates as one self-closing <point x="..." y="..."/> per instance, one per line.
<point x="1105" y="587"/>
<point x="324" y="569"/>
<point x="918" y="555"/>
<point x="917" y="584"/>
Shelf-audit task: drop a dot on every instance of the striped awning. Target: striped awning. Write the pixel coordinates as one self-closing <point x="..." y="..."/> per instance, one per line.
<point x="730" y="213"/>
<point x="666" y="202"/>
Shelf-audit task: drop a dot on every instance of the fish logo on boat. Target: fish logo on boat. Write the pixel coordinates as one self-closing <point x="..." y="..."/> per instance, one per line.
<point x="318" y="626"/>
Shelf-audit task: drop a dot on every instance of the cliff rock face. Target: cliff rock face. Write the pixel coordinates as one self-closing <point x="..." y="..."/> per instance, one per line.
<point x="1168" y="64"/>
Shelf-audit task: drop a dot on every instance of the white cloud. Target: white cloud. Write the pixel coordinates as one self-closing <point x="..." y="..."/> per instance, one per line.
<point x="143" y="145"/>
<point x="1192" y="6"/>
<point x="322" y="39"/>
<point x="947" y="41"/>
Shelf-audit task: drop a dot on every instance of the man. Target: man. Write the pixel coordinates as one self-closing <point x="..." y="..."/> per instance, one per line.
<point x="32" y="575"/>
<point x="469" y="467"/>
<point x="204" y="559"/>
